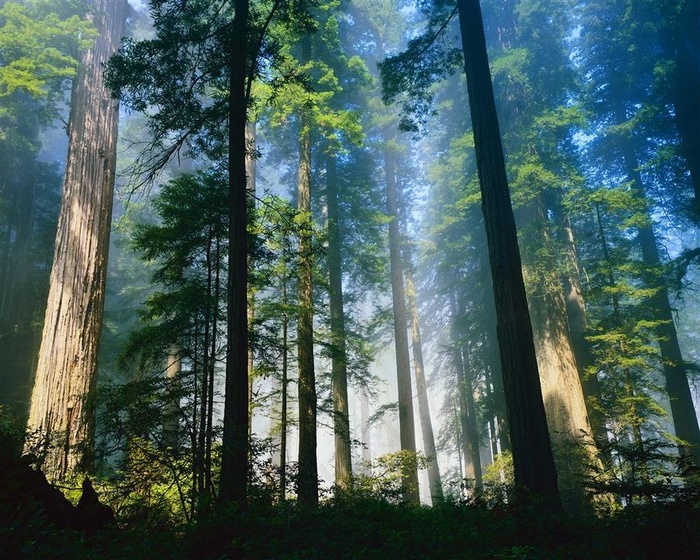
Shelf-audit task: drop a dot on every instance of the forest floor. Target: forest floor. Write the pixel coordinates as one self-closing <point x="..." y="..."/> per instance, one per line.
<point x="375" y="529"/>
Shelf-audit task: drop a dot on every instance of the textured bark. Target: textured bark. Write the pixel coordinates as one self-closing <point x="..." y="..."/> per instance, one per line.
<point x="308" y="468"/>
<point x="532" y="453"/>
<point x="578" y="323"/>
<point x="67" y="366"/>
<point x="403" y="366"/>
<point x="426" y="423"/>
<point x="567" y="416"/>
<point x="233" y="484"/>
<point x="339" y="374"/>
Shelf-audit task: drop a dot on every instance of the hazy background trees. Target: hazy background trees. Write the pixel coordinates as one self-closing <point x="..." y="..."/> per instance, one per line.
<point x="358" y="268"/>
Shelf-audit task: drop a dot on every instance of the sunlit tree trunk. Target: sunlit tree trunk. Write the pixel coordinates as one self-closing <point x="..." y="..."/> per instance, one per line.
<point x="66" y="371"/>
<point x="173" y="373"/>
<point x="339" y="374"/>
<point x="578" y="323"/>
<point x="532" y="453"/>
<point x="426" y="422"/>
<point x="233" y="484"/>
<point x="567" y="416"/>
<point x="403" y="366"/>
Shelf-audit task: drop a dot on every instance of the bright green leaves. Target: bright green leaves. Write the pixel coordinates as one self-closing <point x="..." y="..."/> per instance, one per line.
<point x="39" y="51"/>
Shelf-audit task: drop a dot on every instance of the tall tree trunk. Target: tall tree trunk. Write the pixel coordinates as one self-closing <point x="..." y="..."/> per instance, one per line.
<point x="532" y="453"/>
<point x="233" y="484"/>
<point x="250" y="169"/>
<point x="565" y="406"/>
<point x="403" y="366"/>
<point x="339" y="375"/>
<point x="67" y="367"/>
<point x="426" y="423"/>
<point x="578" y="323"/>
<point x="366" y="433"/>
<point x="308" y="468"/>
<point x="685" y="420"/>
<point x="682" y="43"/>
<point x="470" y="412"/>
<point x="470" y="436"/>
<point x="285" y="385"/>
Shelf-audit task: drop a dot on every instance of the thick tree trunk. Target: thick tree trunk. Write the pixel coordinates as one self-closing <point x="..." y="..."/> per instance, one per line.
<point x="67" y="366"/>
<point x="233" y="484"/>
<point x="426" y="422"/>
<point x="578" y="323"/>
<point x="567" y="416"/>
<point x="403" y="366"/>
<point x="308" y="468"/>
<point x="532" y="453"/>
<point x="339" y="375"/>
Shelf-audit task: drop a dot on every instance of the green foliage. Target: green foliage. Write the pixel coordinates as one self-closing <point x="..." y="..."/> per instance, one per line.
<point x="11" y="434"/>
<point x="39" y="50"/>
<point x="409" y="77"/>
<point x="640" y="472"/>
<point x="387" y="475"/>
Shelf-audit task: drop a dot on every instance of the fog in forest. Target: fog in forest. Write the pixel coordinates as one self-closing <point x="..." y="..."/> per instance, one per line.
<point x="297" y="251"/>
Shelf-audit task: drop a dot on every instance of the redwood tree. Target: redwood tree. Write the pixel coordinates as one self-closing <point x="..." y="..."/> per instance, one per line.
<point x="67" y="366"/>
<point x="532" y="453"/>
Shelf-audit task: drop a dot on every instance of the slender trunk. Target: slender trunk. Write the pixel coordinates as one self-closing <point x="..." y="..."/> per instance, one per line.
<point x="366" y="434"/>
<point x="426" y="423"/>
<point x="250" y="169"/>
<point x="233" y="483"/>
<point x="470" y="438"/>
<point x="472" y="425"/>
<point x="532" y="453"/>
<point x="66" y="372"/>
<point x="285" y="382"/>
<point x="403" y="367"/>
<point x="308" y="468"/>
<point x="339" y="374"/>
<point x="212" y="369"/>
<point x="206" y="364"/>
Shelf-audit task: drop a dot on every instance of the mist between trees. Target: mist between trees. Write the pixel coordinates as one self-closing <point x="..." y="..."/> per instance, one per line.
<point x="299" y="251"/>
